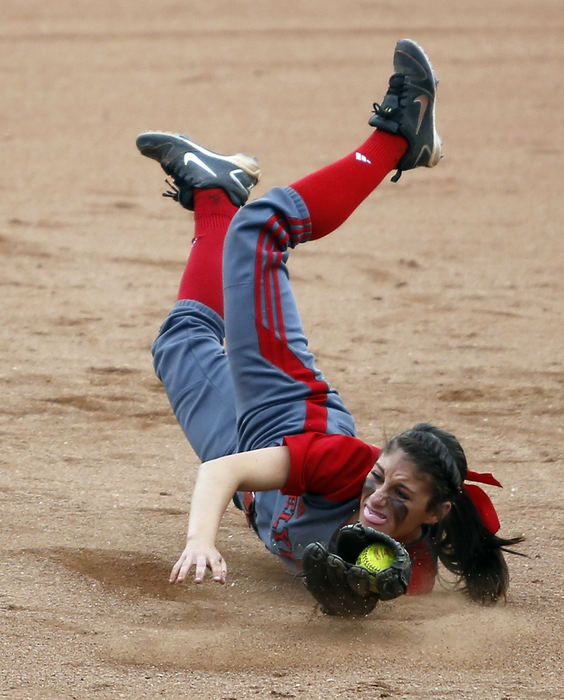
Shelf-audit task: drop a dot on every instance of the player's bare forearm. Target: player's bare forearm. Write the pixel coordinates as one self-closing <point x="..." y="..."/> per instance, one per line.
<point x="217" y="481"/>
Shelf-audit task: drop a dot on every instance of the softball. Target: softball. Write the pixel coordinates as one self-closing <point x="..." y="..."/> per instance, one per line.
<point x="375" y="557"/>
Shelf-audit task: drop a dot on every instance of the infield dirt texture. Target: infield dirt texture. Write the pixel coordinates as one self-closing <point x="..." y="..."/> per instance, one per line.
<point x="442" y="299"/>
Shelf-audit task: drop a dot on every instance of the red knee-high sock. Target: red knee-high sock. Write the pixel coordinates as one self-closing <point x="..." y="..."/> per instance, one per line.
<point x="203" y="276"/>
<point x="334" y="192"/>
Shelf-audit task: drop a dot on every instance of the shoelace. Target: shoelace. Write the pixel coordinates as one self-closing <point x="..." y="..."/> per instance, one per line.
<point x="396" y="87"/>
<point x="385" y="113"/>
<point x="173" y="193"/>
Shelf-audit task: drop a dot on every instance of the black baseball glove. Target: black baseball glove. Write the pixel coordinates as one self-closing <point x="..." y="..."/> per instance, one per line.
<point x="341" y="586"/>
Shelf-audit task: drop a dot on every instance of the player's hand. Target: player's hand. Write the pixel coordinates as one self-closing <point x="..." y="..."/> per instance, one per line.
<point x="344" y="588"/>
<point x="201" y="557"/>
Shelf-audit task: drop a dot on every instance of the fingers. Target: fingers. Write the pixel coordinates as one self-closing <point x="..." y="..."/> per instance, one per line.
<point x="219" y="569"/>
<point x="215" y="563"/>
<point x="201" y="561"/>
<point x="180" y="569"/>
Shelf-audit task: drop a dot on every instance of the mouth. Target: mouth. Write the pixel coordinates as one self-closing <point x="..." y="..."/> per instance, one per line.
<point x="374" y="517"/>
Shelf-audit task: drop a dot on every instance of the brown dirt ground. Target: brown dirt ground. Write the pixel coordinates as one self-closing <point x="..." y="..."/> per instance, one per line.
<point x="441" y="299"/>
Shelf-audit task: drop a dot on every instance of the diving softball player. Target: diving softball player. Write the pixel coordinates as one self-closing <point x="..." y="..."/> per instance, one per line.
<point x="271" y="432"/>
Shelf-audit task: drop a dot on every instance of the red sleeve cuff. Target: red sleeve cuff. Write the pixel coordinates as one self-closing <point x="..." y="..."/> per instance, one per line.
<point x="334" y="466"/>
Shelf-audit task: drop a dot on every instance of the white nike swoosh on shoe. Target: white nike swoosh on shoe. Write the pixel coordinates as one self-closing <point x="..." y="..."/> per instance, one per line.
<point x="233" y="174"/>
<point x="193" y="158"/>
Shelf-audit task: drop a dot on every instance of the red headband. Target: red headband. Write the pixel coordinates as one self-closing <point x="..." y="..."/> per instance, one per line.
<point x="481" y="500"/>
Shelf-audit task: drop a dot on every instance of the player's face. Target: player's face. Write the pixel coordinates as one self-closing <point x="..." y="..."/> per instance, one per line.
<point x="395" y="497"/>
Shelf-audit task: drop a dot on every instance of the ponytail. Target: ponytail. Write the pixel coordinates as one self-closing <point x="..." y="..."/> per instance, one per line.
<point x="475" y="555"/>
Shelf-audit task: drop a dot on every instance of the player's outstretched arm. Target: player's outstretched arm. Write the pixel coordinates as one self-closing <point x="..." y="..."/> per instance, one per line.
<point x="217" y="481"/>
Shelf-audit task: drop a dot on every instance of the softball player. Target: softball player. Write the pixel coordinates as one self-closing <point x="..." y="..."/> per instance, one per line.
<point x="272" y="433"/>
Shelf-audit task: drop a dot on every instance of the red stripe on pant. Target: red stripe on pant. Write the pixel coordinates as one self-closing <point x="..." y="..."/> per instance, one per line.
<point x="275" y="349"/>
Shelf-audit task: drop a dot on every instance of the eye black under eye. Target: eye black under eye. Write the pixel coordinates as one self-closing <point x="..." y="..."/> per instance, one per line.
<point x="403" y="495"/>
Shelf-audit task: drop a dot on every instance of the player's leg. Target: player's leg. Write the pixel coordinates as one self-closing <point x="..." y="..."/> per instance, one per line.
<point x="190" y="361"/>
<point x="189" y="355"/>
<point x="279" y="390"/>
<point x="408" y="111"/>
<point x="314" y="207"/>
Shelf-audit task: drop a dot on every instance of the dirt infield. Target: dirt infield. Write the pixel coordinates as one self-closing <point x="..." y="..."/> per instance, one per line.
<point x="440" y="299"/>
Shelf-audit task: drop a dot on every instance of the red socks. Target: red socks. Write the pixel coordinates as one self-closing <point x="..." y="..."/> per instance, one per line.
<point x="334" y="192"/>
<point x="203" y="276"/>
<point x="330" y="194"/>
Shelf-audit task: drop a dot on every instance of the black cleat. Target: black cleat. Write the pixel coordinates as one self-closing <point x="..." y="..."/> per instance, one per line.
<point x="194" y="167"/>
<point x="408" y="108"/>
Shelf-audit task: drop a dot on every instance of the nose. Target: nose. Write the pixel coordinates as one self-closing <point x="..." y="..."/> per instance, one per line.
<point x="379" y="496"/>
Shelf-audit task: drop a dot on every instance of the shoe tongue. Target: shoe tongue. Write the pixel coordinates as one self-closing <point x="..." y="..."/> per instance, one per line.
<point x="397" y="80"/>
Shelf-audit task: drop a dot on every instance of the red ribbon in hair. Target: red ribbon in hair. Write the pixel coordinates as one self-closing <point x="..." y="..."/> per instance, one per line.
<point x="481" y="500"/>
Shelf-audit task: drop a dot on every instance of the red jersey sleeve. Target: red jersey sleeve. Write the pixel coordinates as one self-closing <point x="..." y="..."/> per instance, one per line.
<point x="334" y="466"/>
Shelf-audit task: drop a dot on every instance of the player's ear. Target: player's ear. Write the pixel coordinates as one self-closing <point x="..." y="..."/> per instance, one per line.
<point x="438" y="513"/>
